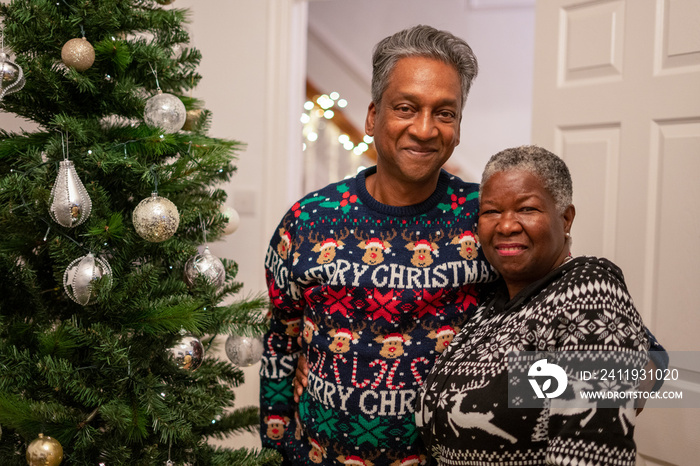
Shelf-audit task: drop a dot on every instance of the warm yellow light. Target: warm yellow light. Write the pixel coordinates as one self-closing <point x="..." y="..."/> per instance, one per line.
<point x="328" y="114"/>
<point x="308" y="105"/>
<point x="342" y="103"/>
<point x="343" y="138"/>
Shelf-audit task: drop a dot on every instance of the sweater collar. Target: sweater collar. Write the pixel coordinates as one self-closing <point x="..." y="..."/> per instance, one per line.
<point x="400" y="211"/>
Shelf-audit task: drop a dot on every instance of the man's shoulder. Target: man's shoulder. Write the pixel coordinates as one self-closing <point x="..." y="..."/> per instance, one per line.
<point x="455" y="181"/>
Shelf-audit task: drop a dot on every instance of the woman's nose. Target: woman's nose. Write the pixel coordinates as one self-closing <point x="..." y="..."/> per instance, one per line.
<point x="509" y="224"/>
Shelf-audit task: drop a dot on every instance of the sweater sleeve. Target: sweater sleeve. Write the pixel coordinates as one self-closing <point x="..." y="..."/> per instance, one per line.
<point x="281" y="350"/>
<point x="600" y="320"/>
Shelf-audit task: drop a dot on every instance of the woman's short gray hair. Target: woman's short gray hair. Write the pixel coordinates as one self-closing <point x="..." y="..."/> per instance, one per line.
<point x="422" y="41"/>
<point x="546" y="166"/>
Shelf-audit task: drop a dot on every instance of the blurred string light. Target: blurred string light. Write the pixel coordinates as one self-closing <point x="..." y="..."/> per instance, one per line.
<point x="322" y="107"/>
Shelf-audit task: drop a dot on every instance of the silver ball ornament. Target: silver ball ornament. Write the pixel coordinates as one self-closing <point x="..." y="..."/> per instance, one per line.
<point x="233" y="220"/>
<point x="44" y="451"/>
<point x="78" y="53"/>
<point x="205" y="265"/>
<point x="11" y="76"/>
<point x="187" y="353"/>
<point x="244" y="351"/>
<point x="70" y="203"/>
<point x="165" y="111"/>
<point x="80" y="276"/>
<point x="155" y="218"/>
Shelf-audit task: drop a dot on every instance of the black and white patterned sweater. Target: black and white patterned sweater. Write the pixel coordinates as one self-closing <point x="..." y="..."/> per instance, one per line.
<point x="462" y="410"/>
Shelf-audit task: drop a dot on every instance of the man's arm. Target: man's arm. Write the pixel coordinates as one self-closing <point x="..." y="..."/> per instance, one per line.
<point x="281" y="347"/>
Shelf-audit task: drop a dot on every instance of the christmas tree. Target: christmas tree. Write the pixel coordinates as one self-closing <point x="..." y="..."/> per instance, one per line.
<point x="110" y="304"/>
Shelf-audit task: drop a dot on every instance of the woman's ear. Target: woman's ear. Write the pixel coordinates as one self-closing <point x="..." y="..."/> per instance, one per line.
<point x="568" y="215"/>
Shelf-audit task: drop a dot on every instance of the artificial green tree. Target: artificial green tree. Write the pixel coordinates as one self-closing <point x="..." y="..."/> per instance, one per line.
<point x="100" y="377"/>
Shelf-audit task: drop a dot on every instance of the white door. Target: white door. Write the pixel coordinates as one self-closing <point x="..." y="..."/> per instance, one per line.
<point x="617" y="95"/>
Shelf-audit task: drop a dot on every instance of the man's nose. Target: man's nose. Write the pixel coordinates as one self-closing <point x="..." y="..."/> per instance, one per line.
<point x="424" y="126"/>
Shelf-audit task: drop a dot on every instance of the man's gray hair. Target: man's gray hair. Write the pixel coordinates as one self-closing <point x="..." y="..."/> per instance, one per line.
<point x="546" y="166"/>
<point x="422" y="41"/>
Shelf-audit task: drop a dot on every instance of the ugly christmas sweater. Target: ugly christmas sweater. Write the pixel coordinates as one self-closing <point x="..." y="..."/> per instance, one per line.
<point x="466" y="413"/>
<point x="377" y="292"/>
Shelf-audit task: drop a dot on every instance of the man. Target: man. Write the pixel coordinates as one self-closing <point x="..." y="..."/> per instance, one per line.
<point x="374" y="271"/>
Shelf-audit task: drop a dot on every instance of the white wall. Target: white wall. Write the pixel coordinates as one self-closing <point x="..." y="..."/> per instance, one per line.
<point x="498" y="110"/>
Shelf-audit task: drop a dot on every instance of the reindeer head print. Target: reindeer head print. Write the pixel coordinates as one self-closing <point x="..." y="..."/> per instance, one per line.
<point x="284" y="244"/>
<point x="318" y="451"/>
<point x="292" y="327"/>
<point x="467" y="242"/>
<point x="348" y="459"/>
<point x="342" y="337"/>
<point x="442" y="335"/>
<point x="326" y="247"/>
<point x="310" y="328"/>
<point x="412" y="460"/>
<point x="374" y="247"/>
<point x="423" y="249"/>
<point x="276" y="426"/>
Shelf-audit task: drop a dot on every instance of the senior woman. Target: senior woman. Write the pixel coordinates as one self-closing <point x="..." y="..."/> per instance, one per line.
<point x="546" y="300"/>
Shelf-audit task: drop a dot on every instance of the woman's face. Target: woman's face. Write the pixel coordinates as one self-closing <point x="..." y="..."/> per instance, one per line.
<point x="521" y="232"/>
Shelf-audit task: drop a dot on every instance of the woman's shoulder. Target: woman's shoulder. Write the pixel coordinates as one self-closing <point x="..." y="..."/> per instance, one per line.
<point x="593" y="268"/>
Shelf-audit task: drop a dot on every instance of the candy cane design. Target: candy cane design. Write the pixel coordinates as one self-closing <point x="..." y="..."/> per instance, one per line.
<point x="415" y="372"/>
<point x="390" y="378"/>
<point x="354" y="376"/>
<point x="381" y="372"/>
<point x="318" y="366"/>
<point x="336" y="371"/>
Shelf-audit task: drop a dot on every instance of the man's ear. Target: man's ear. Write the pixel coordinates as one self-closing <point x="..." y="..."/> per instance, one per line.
<point x="369" y="120"/>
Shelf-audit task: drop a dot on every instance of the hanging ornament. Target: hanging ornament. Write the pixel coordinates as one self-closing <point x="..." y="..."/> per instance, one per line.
<point x="44" y="451"/>
<point x="78" y="53"/>
<point x="205" y="265"/>
<point x="192" y="118"/>
<point x="244" y="351"/>
<point x="234" y="220"/>
<point x="11" y="76"/>
<point x="188" y="352"/>
<point x="70" y="203"/>
<point x="165" y="111"/>
<point x="80" y="276"/>
<point x="155" y="218"/>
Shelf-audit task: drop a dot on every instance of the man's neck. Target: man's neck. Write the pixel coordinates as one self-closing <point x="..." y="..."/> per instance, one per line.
<point x="398" y="194"/>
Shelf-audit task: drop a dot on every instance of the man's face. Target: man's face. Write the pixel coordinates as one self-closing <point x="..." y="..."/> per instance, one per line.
<point x="416" y="124"/>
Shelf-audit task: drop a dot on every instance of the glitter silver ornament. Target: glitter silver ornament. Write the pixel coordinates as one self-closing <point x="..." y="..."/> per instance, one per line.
<point x="44" y="451"/>
<point x="155" y="218"/>
<point x="165" y="111"/>
<point x="80" y="276"/>
<point x="205" y="265"/>
<point x="11" y="76"/>
<point x="188" y="352"/>
<point x="70" y="203"/>
<point x="78" y="53"/>
<point x="244" y="351"/>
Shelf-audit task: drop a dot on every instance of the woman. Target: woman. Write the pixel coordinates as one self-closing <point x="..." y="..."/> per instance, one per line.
<point x="545" y="301"/>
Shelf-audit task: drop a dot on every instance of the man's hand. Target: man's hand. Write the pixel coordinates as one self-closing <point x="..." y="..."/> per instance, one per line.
<point x="300" y="377"/>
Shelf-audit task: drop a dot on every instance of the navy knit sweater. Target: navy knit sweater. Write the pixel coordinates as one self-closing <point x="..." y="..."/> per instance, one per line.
<point x="377" y="293"/>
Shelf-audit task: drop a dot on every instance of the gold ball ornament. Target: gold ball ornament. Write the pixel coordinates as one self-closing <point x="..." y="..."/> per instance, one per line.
<point x="155" y="218"/>
<point x="44" y="451"/>
<point x="78" y="53"/>
<point x="191" y="119"/>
